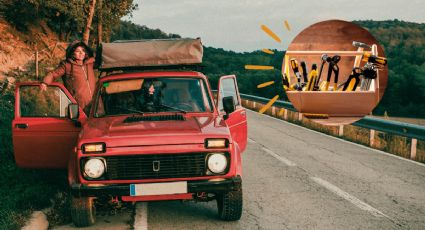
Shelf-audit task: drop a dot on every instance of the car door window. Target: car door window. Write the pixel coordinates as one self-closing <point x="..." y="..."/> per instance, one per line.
<point x="37" y="103"/>
<point x="228" y="88"/>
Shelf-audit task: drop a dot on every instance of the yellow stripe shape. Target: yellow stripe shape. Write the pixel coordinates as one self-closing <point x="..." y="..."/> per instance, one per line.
<point x="259" y="67"/>
<point x="270" y="33"/>
<point x="265" y="84"/>
<point x="267" y="51"/>
<point x="287" y="25"/>
<point x="269" y="104"/>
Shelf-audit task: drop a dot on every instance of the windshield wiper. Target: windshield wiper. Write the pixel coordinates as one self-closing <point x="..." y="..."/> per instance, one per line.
<point x="174" y="108"/>
<point x="130" y="110"/>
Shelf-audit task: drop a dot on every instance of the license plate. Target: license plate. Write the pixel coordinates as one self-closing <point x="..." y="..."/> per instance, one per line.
<point x="158" y="188"/>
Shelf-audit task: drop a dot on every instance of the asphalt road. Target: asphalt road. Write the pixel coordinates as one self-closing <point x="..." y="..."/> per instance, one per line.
<point x="296" y="178"/>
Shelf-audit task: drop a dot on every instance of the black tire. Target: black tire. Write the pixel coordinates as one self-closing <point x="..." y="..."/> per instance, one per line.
<point x="229" y="205"/>
<point x="83" y="211"/>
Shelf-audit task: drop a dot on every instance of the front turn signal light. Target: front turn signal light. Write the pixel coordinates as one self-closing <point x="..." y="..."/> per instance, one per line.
<point x="216" y="143"/>
<point x="94" y="148"/>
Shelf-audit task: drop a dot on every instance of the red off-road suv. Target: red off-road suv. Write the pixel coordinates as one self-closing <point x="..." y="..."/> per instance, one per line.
<point x="150" y="135"/>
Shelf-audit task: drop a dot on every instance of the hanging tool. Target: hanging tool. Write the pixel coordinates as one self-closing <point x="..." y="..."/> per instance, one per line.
<point x="370" y="72"/>
<point x="373" y="63"/>
<point x="324" y="58"/>
<point x="282" y="84"/>
<point x="312" y="79"/>
<point x="333" y="67"/>
<point x="378" y="61"/>
<point x="294" y="65"/>
<point x="370" y="69"/>
<point x="285" y="82"/>
<point x="361" y="45"/>
<point x="353" y="80"/>
<point x="305" y="73"/>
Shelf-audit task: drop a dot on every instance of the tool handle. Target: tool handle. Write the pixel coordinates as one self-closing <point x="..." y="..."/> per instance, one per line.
<point x="328" y="79"/>
<point x="305" y="73"/>
<point x="336" y="59"/>
<point x="335" y="69"/>
<point x="294" y="65"/>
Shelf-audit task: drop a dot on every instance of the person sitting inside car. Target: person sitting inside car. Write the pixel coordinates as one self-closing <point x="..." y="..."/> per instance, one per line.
<point x="182" y="100"/>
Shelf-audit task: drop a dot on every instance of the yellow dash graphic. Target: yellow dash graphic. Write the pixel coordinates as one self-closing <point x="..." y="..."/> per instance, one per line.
<point x="267" y="51"/>
<point x="270" y="103"/>
<point x="259" y="67"/>
<point x="281" y="112"/>
<point x="270" y="33"/>
<point x="265" y="84"/>
<point x="287" y="25"/>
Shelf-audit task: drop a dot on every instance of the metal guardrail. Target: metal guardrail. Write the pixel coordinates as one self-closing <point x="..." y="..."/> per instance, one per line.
<point x="392" y="127"/>
<point x="284" y="104"/>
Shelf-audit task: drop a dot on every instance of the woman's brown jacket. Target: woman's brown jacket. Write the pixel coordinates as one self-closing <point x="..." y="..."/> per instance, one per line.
<point x="79" y="80"/>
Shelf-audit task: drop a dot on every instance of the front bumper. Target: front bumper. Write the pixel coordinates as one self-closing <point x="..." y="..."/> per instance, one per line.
<point x="212" y="186"/>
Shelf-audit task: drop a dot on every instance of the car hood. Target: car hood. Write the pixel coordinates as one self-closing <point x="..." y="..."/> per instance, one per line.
<point x="115" y="132"/>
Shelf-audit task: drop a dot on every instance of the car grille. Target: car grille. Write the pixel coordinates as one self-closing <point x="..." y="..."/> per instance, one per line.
<point x="155" y="166"/>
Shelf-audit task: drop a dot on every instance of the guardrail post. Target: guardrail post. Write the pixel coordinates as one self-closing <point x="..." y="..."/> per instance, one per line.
<point x="300" y="116"/>
<point x="372" y="138"/>
<point x="273" y="111"/>
<point x="285" y="115"/>
<point x="281" y="111"/>
<point x="341" y="131"/>
<point x="413" y="148"/>
<point x="253" y="105"/>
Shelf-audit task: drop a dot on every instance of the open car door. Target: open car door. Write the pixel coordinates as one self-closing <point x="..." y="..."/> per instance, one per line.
<point x="43" y="136"/>
<point x="236" y="120"/>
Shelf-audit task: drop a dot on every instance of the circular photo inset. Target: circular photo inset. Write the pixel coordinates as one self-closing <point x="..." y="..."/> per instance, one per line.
<point x="335" y="72"/>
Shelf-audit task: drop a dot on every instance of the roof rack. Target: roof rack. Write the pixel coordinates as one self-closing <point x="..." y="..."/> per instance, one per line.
<point x="150" y="54"/>
<point x="194" y="67"/>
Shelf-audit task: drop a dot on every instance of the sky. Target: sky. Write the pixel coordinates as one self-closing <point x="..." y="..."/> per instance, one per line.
<point x="236" y="24"/>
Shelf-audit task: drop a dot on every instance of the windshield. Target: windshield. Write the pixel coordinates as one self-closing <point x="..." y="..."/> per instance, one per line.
<point x="152" y="95"/>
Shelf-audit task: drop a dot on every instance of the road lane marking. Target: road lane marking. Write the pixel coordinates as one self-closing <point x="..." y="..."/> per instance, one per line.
<point x="141" y="216"/>
<point x="360" y="204"/>
<point x="251" y="141"/>
<point x="353" y="143"/>
<point x="280" y="158"/>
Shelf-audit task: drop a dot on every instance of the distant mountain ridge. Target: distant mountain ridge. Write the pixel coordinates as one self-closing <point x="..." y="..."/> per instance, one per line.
<point x="128" y="30"/>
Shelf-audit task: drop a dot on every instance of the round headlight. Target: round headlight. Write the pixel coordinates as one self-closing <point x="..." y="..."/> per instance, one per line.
<point x="94" y="168"/>
<point x="217" y="163"/>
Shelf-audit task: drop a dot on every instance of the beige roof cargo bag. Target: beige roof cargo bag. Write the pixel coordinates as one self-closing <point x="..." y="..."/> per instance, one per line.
<point x="155" y="52"/>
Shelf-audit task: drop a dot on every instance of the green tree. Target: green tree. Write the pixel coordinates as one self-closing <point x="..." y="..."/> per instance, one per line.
<point x="67" y="18"/>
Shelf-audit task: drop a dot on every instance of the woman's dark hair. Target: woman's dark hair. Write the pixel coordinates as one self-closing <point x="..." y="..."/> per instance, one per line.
<point x="71" y="48"/>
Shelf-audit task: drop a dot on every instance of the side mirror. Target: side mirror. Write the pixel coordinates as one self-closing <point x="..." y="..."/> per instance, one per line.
<point x="73" y="112"/>
<point x="228" y="106"/>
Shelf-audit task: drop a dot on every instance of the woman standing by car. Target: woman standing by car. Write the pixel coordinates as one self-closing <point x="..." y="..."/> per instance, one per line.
<point x="77" y="74"/>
